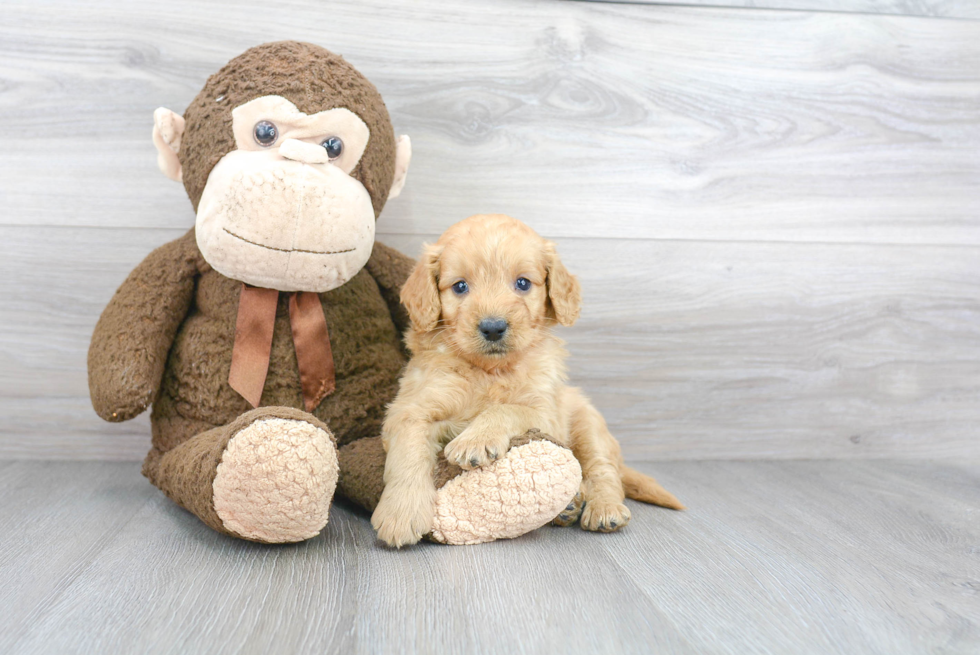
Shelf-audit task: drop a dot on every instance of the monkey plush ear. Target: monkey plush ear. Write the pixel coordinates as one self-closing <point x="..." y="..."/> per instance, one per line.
<point x="168" y="128"/>
<point x="420" y="293"/>
<point x="564" y="292"/>
<point x="403" y="155"/>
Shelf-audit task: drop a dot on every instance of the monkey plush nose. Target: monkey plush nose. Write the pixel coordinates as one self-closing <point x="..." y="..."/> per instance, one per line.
<point x="303" y="152"/>
<point x="493" y="328"/>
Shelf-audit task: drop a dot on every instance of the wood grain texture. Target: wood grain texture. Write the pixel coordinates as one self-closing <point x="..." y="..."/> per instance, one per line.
<point x="55" y="519"/>
<point x="690" y="349"/>
<point x="591" y="119"/>
<point x="931" y="8"/>
<point x="772" y="557"/>
<point x="774" y="214"/>
<point x="846" y="555"/>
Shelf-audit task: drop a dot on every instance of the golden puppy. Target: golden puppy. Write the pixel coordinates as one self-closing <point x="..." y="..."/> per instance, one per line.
<point x="486" y="367"/>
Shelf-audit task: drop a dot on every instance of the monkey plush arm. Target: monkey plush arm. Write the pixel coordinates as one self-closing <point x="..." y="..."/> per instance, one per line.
<point x="134" y="334"/>
<point x="390" y="269"/>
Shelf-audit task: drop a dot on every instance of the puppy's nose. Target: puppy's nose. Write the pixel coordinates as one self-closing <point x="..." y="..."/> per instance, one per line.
<point x="493" y="328"/>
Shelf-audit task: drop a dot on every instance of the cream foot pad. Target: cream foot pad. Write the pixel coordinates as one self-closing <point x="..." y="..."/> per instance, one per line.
<point x="520" y="492"/>
<point x="276" y="480"/>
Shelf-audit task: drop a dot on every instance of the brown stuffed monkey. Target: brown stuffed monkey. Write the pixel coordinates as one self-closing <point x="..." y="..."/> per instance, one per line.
<point x="270" y="334"/>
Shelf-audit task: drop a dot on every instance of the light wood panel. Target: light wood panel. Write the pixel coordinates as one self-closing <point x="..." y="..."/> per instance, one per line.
<point x="690" y="349"/>
<point x="590" y="119"/>
<point x="933" y="8"/>
<point x="730" y="184"/>
<point x="773" y="557"/>
<point x="839" y="550"/>
<point x="56" y="518"/>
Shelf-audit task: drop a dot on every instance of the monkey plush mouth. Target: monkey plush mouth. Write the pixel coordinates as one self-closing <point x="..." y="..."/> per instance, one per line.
<point x="282" y="224"/>
<point x="312" y="252"/>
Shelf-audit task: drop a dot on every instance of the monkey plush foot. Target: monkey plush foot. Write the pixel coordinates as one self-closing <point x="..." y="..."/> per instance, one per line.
<point x="269" y="476"/>
<point x="518" y="493"/>
<point x="276" y="480"/>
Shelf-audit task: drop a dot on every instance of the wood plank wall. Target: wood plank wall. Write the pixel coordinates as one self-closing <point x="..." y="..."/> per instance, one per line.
<point x="933" y="8"/>
<point x="775" y="214"/>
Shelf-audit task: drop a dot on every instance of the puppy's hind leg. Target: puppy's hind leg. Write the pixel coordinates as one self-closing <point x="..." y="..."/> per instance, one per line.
<point x="599" y="454"/>
<point x="572" y="512"/>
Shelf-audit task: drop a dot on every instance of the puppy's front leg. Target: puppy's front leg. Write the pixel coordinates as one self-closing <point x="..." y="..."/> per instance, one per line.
<point x="487" y="438"/>
<point x="407" y="506"/>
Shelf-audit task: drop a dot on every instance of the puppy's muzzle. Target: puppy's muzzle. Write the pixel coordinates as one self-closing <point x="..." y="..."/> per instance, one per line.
<point x="493" y="329"/>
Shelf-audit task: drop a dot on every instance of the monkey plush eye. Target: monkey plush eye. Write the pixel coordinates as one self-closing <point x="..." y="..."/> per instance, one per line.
<point x="460" y="288"/>
<point x="265" y="133"/>
<point x="334" y="146"/>
<point x="523" y="284"/>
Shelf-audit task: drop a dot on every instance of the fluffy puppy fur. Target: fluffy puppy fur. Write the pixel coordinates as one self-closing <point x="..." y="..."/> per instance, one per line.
<point x="486" y="367"/>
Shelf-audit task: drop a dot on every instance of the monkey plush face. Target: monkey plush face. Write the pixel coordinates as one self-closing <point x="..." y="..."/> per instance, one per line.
<point x="300" y="167"/>
<point x="282" y="210"/>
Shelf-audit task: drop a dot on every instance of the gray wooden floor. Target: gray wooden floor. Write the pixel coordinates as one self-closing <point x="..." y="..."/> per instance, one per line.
<point x="773" y="208"/>
<point x="772" y="557"/>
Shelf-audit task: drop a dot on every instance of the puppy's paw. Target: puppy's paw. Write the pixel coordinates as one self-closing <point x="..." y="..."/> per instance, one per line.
<point x="602" y="516"/>
<point x="404" y="515"/>
<point x="571" y="513"/>
<point x="472" y="449"/>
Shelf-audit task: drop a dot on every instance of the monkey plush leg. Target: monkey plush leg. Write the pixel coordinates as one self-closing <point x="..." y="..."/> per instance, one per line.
<point x="513" y="495"/>
<point x="269" y="476"/>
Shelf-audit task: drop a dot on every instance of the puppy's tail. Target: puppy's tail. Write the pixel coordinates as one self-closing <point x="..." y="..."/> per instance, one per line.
<point x="647" y="490"/>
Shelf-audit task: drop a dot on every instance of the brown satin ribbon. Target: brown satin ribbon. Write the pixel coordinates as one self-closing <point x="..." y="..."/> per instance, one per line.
<point x="253" y="345"/>
<point x="312" y="343"/>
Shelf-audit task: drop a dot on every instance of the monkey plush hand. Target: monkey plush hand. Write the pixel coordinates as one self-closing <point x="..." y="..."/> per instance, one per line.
<point x="270" y="334"/>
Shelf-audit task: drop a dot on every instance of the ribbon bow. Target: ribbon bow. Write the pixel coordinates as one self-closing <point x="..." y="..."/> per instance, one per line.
<point x="253" y="344"/>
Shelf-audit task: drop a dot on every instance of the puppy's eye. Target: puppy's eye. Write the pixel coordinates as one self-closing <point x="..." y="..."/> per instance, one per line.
<point x="523" y="284"/>
<point x="334" y="146"/>
<point x="265" y="133"/>
<point x="460" y="288"/>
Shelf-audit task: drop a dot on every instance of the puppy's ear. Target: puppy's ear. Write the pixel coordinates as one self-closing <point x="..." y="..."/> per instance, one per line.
<point x="420" y="293"/>
<point x="564" y="292"/>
